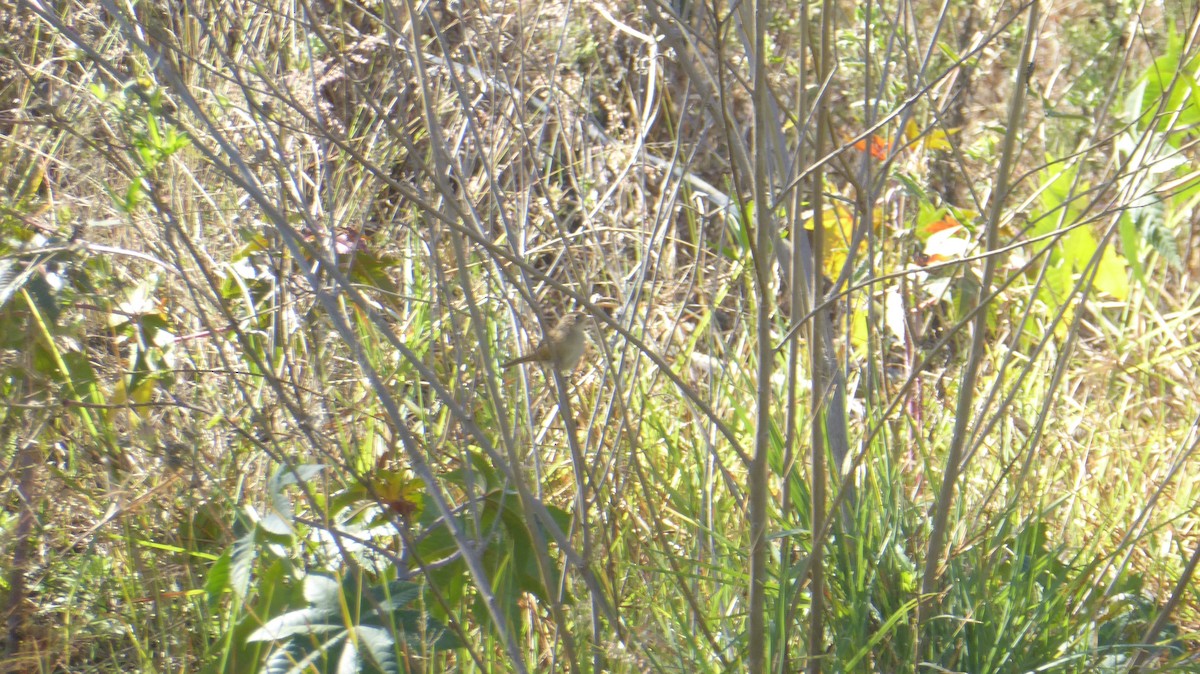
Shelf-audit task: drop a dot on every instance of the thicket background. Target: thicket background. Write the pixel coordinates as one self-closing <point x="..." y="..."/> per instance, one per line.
<point x="892" y="336"/>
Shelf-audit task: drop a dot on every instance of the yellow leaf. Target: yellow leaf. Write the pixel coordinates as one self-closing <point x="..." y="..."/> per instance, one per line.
<point x="859" y="334"/>
<point x="936" y="139"/>
<point x="939" y="139"/>
<point x="1112" y="277"/>
<point x="911" y="130"/>
<point x="839" y="232"/>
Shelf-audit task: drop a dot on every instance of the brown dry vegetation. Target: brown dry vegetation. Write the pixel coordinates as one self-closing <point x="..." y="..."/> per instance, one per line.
<point x="376" y="203"/>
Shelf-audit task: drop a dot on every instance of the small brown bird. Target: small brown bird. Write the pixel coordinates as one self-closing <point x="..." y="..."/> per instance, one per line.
<point x="562" y="347"/>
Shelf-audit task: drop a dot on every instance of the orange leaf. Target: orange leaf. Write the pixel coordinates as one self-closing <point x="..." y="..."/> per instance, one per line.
<point x="947" y="222"/>
<point x="880" y="147"/>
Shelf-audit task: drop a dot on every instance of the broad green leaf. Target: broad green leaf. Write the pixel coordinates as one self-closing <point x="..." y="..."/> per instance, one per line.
<point x="352" y="626"/>
<point x="1132" y="245"/>
<point x="1112" y="277"/>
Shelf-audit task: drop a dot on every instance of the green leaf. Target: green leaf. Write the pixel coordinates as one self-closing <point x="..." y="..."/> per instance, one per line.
<point x="300" y="473"/>
<point x="1132" y="245"/>
<point x="307" y="621"/>
<point x="1078" y="247"/>
<point x="242" y="555"/>
<point x="1056" y="286"/>
<point x="217" y="580"/>
<point x="1171" y="88"/>
<point x="351" y="626"/>
<point x="1112" y="276"/>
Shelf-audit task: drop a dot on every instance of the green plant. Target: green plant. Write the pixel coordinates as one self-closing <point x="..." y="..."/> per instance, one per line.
<point x="352" y="626"/>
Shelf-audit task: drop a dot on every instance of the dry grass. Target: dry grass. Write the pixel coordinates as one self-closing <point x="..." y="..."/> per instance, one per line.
<point x="540" y="158"/>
